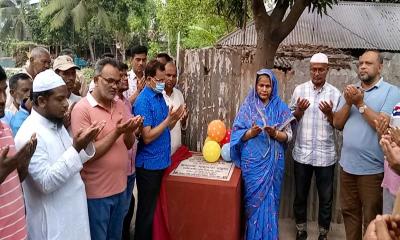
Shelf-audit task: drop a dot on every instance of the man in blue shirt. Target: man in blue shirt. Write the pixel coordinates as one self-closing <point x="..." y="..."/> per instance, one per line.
<point x="362" y="159"/>
<point x="153" y="153"/>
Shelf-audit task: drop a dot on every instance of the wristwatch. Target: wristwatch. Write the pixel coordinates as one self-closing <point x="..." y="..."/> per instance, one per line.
<point x="362" y="108"/>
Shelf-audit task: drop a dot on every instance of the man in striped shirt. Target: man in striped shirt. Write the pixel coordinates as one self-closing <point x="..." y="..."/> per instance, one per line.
<point x="313" y="104"/>
<point x="13" y="169"/>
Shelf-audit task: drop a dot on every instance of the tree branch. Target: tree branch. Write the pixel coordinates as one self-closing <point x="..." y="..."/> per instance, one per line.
<point x="290" y="22"/>
<point x="259" y="11"/>
<point x="279" y="11"/>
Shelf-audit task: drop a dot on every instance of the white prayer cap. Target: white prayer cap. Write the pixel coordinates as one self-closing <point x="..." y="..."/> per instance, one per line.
<point x="47" y="80"/>
<point x="319" y="58"/>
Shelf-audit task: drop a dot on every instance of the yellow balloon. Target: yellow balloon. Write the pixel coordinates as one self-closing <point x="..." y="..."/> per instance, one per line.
<point x="211" y="151"/>
<point x="207" y="140"/>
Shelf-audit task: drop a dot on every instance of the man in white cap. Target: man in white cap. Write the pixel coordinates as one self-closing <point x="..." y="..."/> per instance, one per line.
<point x="54" y="192"/>
<point x="65" y="67"/>
<point x="313" y="104"/>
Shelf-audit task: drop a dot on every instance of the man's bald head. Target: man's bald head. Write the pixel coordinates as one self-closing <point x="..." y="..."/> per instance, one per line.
<point x="170" y="76"/>
<point x="39" y="61"/>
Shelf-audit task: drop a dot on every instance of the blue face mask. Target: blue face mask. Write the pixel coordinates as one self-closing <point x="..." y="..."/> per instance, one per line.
<point x="159" y="87"/>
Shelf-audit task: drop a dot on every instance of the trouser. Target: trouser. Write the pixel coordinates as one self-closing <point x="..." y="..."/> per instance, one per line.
<point x="388" y="201"/>
<point x="148" y="184"/>
<point x="130" y="204"/>
<point x="106" y="216"/>
<point x="324" y="180"/>
<point x="361" y="201"/>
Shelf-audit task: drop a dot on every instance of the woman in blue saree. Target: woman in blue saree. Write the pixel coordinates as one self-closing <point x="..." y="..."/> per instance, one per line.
<point x="259" y="133"/>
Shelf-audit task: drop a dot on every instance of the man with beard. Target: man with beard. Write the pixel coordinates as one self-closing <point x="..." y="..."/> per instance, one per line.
<point x="54" y="192"/>
<point x="136" y="77"/>
<point x="105" y="175"/>
<point x="361" y="160"/>
<point x="13" y="170"/>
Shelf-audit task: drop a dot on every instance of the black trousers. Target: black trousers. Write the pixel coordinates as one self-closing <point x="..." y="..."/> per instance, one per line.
<point x="324" y="180"/>
<point x="148" y="185"/>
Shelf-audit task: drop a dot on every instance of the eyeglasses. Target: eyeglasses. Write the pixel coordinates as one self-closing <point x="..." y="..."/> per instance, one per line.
<point x="111" y="81"/>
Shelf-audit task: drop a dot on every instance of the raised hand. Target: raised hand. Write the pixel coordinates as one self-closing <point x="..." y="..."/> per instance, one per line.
<point x="326" y="107"/>
<point x="253" y="131"/>
<point x="271" y="131"/>
<point x="85" y="136"/>
<point x="302" y="104"/>
<point x="347" y="95"/>
<point x="67" y="116"/>
<point x="357" y="95"/>
<point x="175" y="114"/>
<point x="24" y="155"/>
<point x="134" y="124"/>
<point x="392" y="153"/>
<point x="381" y="125"/>
<point x="395" y="135"/>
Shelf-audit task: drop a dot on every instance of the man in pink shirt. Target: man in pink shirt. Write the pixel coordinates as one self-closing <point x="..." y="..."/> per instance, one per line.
<point x="13" y="170"/>
<point x="106" y="178"/>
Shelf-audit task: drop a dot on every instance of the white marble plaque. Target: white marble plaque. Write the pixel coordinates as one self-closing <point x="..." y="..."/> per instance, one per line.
<point x="197" y="167"/>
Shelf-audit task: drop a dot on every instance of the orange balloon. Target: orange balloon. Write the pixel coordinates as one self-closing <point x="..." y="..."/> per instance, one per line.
<point x="216" y="130"/>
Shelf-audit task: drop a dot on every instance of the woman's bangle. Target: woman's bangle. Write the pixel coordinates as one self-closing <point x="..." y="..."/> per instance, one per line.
<point x="276" y="134"/>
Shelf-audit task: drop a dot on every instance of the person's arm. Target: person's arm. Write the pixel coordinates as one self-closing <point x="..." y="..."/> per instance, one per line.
<point x="149" y="134"/>
<point x="340" y="117"/>
<point x="47" y="175"/>
<point x="6" y="166"/>
<point x="80" y="119"/>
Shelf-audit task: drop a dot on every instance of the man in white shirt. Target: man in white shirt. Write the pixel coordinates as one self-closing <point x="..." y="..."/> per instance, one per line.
<point x="136" y="79"/>
<point x="174" y="98"/>
<point x="313" y="103"/>
<point x="54" y="192"/>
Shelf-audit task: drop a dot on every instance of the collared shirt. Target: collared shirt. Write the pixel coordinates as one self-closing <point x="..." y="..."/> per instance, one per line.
<point x="132" y="83"/>
<point x="314" y="143"/>
<point x="175" y="100"/>
<point x="105" y="176"/>
<point x="391" y="180"/>
<point x="155" y="155"/>
<point x="18" y="119"/>
<point x="54" y="192"/>
<point x="12" y="108"/>
<point x="12" y="208"/>
<point x="133" y="150"/>
<point x="73" y="99"/>
<point x="361" y="153"/>
<point x="7" y="117"/>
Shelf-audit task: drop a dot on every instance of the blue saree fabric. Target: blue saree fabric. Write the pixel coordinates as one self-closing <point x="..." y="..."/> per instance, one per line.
<point x="261" y="160"/>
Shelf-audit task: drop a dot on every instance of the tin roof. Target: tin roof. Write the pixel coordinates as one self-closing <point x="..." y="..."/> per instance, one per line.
<point x="348" y="25"/>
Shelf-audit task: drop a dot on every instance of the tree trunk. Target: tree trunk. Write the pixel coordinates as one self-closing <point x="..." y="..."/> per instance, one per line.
<point x="266" y="49"/>
<point x="89" y="42"/>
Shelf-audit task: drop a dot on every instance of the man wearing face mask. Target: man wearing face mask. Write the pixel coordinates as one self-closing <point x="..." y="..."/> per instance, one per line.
<point x="153" y="154"/>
